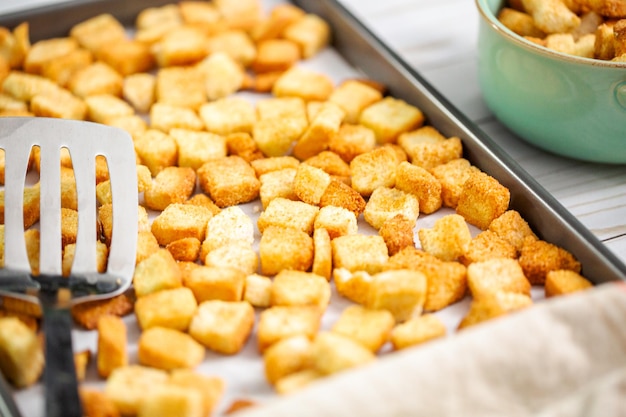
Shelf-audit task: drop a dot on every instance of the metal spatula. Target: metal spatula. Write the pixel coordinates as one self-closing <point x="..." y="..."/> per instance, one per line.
<point x="55" y="293"/>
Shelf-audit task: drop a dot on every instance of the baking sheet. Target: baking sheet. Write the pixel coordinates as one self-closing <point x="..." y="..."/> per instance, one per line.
<point x="356" y="53"/>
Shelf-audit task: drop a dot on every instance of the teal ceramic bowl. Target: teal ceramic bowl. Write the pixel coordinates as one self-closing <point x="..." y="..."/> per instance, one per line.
<point x="570" y="106"/>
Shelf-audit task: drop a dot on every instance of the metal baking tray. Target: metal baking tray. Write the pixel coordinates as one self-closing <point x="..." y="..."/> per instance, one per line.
<point x="366" y="52"/>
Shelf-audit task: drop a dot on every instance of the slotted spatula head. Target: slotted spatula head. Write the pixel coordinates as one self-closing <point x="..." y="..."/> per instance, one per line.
<point x="85" y="141"/>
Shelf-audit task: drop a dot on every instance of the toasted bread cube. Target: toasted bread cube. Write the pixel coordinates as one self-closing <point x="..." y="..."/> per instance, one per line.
<point x="390" y="117"/>
<point x="339" y="194"/>
<point x="171" y="400"/>
<point x="22" y="357"/>
<point x="230" y="225"/>
<point x="23" y="86"/>
<point x="373" y="169"/>
<point x="281" y="322"/>
<point x="242" y="144"/>
<point x="539" y="257"/>
<point x="604" y="46"/>
<point x="133" y="124"/>
<point x="448" y="239"/>
<point x="69" y="226"/>
<point x="561" y="42"/>
<point x="551" y="16"/>
<point x="88" y="313"/>
<point x="421" y="183"/>
<point x="292" y="288"/>
<point x="488" y="245"/>
<point x="172" y="308"/>
<point x="267" y="165"/>
<point x="223" y="326"/>
<point x="61" y="69"/>
<point x="310" y="183"/>
<point x="332" y="164"/>
<point x="275" y="55"/>
<point x="281" y="16"/>
<point x="128" y="387"/>
<point x="494" y="305"/>
<point x="283" y="108"/>
<point x="274" y="136"/>
<point x="14" y="45"/>
<point x="286" y="357"/>
<point x="428" y="148"/>
<point x="167" y="349"/>
<point x="234" y="43"/>
<point x="304" y="83"/>
<point x="360" y="253"/>
<point x="285" y="248"/>
<point x="102" y="252"/>
<point x="112" y="339"/>
<point x="155" y="273"/>
<point x="402" y="292"/>
<point x="322" y="253"/>
<point x="7" y="102"/>
<point x="157" y="150"/>
<point x="170" y="186"/>
<point x="102" y="107"/>
<point x="519" y="22"/>
<point x="354" y="286"/>
<point x="417" y="330"/>
<point x="511" y="227"/>
<point x="235" y="255"/>
<point x="186" y="249"/>
<point x="482" y="200"/>
<point x="183" y="45"/>
<point x="211" y="388"/>
<point x="296" y="381"/>
<point x="333" y="352"/>
<point x="196" y="148"/>
<point x="229" y="181"/>
<point x="199" y="13"/>
<point x="371" y="328"/>
<point x="46" y="50"/>
<point x="127" y="57"/>
<point x="228" y="115"/>
<point x="166" y="117"/>
<point x="239" y="14"/>
<point x="385" y="203"/>
<point x="95" y="402"/>
<point x="147" y="244"/>
<point x="203" y="200"/>
<point x="179" y="221"/>
<point x="223" y="75"/>
<point x="337" y="221"/>
<point x="33" y="240"/>
<point x="258" y="290"/>
<point x="397" y="232"/>
<point x="105" y="217"/>
<point x="181" y="87"/>
<point x="317" y="135"/>
<point x="140" y="91"/>
<point x="288" y="213"/>
<point x="168" y="16"/>
<point x="60" y="104"/>
<point x="277" y="184"/>
<point x="211" y="283"/>
<point x="352" y="140"/>
<point x="447" y="283"/>
<point x="564" y="281"/>
<point x="452" y="175"/>
<point x="353" y="97"/>
<point x="97" y="78"/>
<point x="98" y="32"/>
<point x="498" y="274"/>
<point x="310" y="32"/>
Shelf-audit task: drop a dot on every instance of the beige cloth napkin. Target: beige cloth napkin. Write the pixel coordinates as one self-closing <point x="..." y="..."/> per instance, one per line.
<point x="563" y="357"/>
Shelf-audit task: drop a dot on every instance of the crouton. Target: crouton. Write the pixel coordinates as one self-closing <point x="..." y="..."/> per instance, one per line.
<point x="448" y="239"/>
<point x="181" y="87"/>
<point x="234" y="255"/>
<point x="339" y="194"/>
<point x="181" y="46"/>
<point x="128" y="387"/>
<point x="140" y="91"/>
<point x="421" y="183"/>
<point x="228" y="115"/>
<point x="287" y="357"/>
<point x="322" y="253"/>
<point x="402" y="292"/>
<point x="102" y="252"/>
<point x="279" y="18"/>
<point x="317" y="135"/>
<point x="371" y="328"/>
<point x="551" y="16"/>
<point x="334" y="352"/>
<point x="230" y="225"/>
<point x="310" y="32"/>
<point x="98" y="31"/>
<point x="293" y="288"/>
<point x="211" y="283"/>
<point x="171" y="185"/>
<point x="352" y="140"/>
<point x="258" y="290"/>
<point x="178" y="401"/>
<point x="288" y="213"/>
<point x="519" y="22"/>
<point x="397" y="232"/>
<point x="196" y="148"/>
<point x="539" y="257"/>
<point x="229" y="181"/>
<point x="88" y="314"/>
<point x="167" y="349"/>
<point x="211" y="388"/>
<point x="275" y="55"/>
<point x="497" y="274"/>
<point x="385" y="203"/>
<point x="390" y="117"/>
<point x="179" y="221"/>
<point x="482" y="200"/>
<point x="332" y="164"/>
<point x="186" y="249"/>
<point x="488" y="245"/>
<point x="307" y="84"/>
<point x="564" y="281"/>
<point x="127" y="57"/>
<point x="353" y="96"/>
<point x="112" y="338"/>
<point x="97" y="78"/>
<point x="156" y="149"/>
<point x="417" y="330"/>
<point x="373" y="169"/>
<point x="171" y="308"/>
<point x="155" y="273"/>
<point x="354" y="286"/>
<point x="359" y="253"/>
<point x="223" y="75"/>
<point x="494" y="305"/>
<point x="337" y="221"/>
<point x="427" y="147"/>
<point x="165" y="117"/>
<point x="223" y="326"/>
<point x="280" y="322"/>
<point x="22" y="356"/>
<point x="511" y="227"/>
<point x="452" y="175"/>
<point x="242" y="144"/>
<point x="47" y="50"/>
<point x="285" y="248"/>
<point x="277" y="184"/>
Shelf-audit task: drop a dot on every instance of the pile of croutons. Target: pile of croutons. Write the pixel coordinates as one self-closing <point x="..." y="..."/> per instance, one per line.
<point x="258" y="211"/>
<point x="586" y="28"/>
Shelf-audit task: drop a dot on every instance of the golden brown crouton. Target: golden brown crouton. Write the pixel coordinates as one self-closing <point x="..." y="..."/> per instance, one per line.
<point x="352" y="140"/>
<point x="96" y="403"/>
<point x="385" y="203"/>
<point x="360" y="253"/>
<point x="294" y="288"/>
<point x="103" y="107"/>
<point x="317" y="135"/>
<point x="112" y="339"/>
<point x="277" y="184"/>
<point x="539" y="257"/>
<point x="287" y="357"/>
<point x="275" y="55"/>
<point x="488" y="245"/>
<point x="223" y="75"/>
<point x="511" y="227"/>
<point x="168" y="349"/>
<point x="88" y="313"/>
<point x="181" y="46"/>
<point x="401" y="291"/>
<point x="166" y="117"/>
<point x="171" y="308"/>
<point x="417" y="330"/>
<point x="127" y="387"/>
<point x="371" y="328"/>
<point x="156" y="273"/>
<point x="452" y="176"/>
<point x="421" y="183"/>
<point x="211" y="388"/>
<point x="157" y="150"/>
<point x="242" y="144"/>
<point x="47" y="50"/>
<point x="390" y="117"/>
<point x="230" y="225"/>
<point x="223" y="326"/>
<point x="140" y="91"/>
<point x="285" y="248"/>
<point x="322" y="253"/>
<point x="373" y="169"/>
<point x="97" y="78"/>
<point x="354" y="286"/>
<point x="60" y="104"/>
<point x="498" y="274"/>
<point x="210" y="283"/>
<point x="186" y="249"/>
<point x="337" y="221"/>
<point x="229" y="181"/>
<point x="494" y="305"/>
<point x="170" y="186"/>
<point x="564" y="281"/>
<point x="333" y="352"/>
<point x="397" y="232"/>
<point x="482" y="200"/>
<point x="310" y="32"/>
<point x="304" y="83"/>
<point x="181" y="87"/>
<point x="288" y="213"/>
<point x="234" y="255"/>
<point x="310" y="183"/>
<point x="339" y="194"/>
<point x="551" y="16"/>
<point x="273" y="25"/>
<point x="353" y="96"/>
<point x="332" y="164"/>
<point x="21" y="352"/>
<point x="127" y="57"/>
<point x="448" y="239"/>
<point x="519" y="22"/>
<point x="280" y="322"/>
<point x="427" y="147"/>
<point x="179" y="221"/>
<point x="196" y="148"/>
<point x="258" y="290"/>
<point x="98" y="31"/>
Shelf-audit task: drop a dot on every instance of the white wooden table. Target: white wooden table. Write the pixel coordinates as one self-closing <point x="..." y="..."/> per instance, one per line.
<point x="438" y="38"/>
